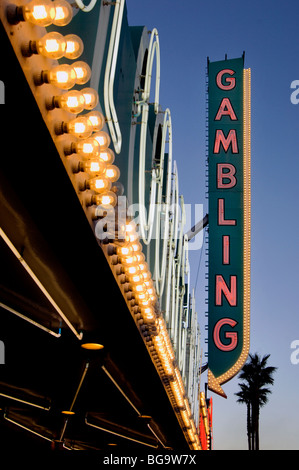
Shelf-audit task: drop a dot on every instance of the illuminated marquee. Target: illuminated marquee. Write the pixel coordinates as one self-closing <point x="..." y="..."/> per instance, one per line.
<point x="229" y="220"/>
<point x="84" y="123"/>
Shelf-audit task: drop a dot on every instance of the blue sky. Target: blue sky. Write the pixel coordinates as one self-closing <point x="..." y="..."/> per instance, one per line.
<point x="267" y="31"/>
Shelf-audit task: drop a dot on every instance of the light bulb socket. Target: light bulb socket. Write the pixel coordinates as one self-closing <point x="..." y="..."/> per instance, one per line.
<point x="29" y="48"/>
<point x="74" y="163"/>
<point x="111" y="250"/>
<point x="122" y="268"/>
<point x="114" y="262"/>
<point x="127" y="289"/>
<point x="69" y="149"/>
<point x="52" y="103"/>
<point x="14" y="14"/>
<point x="81" y="166"/>
<point x="132" y="301"/>
<point x="94" y="214"/>
<point x="118" y="270"/>
<point x="40" y="78"/>
<point x="60" y="128"/>
<point x="123" y="280"/>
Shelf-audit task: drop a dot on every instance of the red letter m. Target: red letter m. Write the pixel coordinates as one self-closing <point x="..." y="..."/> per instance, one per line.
<point x="231" y="139"/>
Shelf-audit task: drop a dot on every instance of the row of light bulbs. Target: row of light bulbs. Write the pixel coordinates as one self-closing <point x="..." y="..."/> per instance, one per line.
<point x="92" y="143"/>
<point x="41" y="13"/>
<point x="92" y="146"/>
<point x="137" y="272"/>
<point x="134" y="266"/>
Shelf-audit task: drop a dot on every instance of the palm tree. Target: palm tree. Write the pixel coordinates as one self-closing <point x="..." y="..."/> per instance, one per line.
<point x="256" y="374"/>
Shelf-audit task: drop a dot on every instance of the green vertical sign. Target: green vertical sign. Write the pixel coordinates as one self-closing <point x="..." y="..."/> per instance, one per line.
<point x="228" y="221"/>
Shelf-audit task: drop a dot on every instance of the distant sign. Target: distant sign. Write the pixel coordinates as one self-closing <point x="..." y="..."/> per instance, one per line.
<point x="229" y="220"/>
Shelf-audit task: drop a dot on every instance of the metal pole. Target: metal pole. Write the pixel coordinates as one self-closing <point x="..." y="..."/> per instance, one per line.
<point x="197" y="227"/>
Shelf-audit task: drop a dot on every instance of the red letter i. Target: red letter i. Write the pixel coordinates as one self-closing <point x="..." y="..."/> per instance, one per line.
<point x="225" y="249"/>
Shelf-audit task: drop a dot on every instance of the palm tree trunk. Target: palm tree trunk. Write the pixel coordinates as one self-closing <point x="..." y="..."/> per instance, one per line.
<point x="255" y="426"/>
<point x="257" y="435"/>
<point x="249" y="425"/>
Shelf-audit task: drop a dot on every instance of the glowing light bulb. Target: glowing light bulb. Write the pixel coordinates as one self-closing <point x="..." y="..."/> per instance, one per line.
<point x="93" y="167"/>
<point x="72" y="101"/>
<point x="148" y="313"/>
<point x="108" y="198"/>
<point x="112" y="172"/>
<point x="63" y="13"/>
<point x="140" y="257"/>
<point x="136" y="278"/>
<point x="83" y="72"/>
<point x="39" y="12"/>
<point x="91" y="98"/>
<point x="63" y="76"/>
<point x="139" y="288"/>
<point x="144" y="303"/>
<point x="51" y="45"/>
<point x="131" y="233"/>
<point x="146" y="276"/>
<point x="131" y="237"/>
<point x="129" y="260"/>
<point x="124" y="251"/>
<point x="88" y="148"/>
<point x="142" y="295"/>
<point x="98" y="184"/>
<point x="74" y="46"/>
<point x="107" y="156"/>
<point x="131" y="270"/>
<point x="103" y="139"/>
<point x="150" y="291"/>
<point x="79" y="127"/>
<point x="130" y="227"/>
<point x="97" y="120"/>
<point x="143" y="266"/>
<point x="153" y="298"/>
<point x="137" y="247"/>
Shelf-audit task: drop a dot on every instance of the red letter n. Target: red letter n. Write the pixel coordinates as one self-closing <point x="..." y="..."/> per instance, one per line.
<point x="230" y="294"/>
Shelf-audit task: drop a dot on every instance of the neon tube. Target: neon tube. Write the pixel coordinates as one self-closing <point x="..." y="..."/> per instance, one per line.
<point x="86" y="8"/>
<point x="112" y="119"/>
<point x="160" y="275"/>
<point x="154" y="51"/>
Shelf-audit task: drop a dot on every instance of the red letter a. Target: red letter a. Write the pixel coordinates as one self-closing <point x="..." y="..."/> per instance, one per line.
<point x="225" y="109"/>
